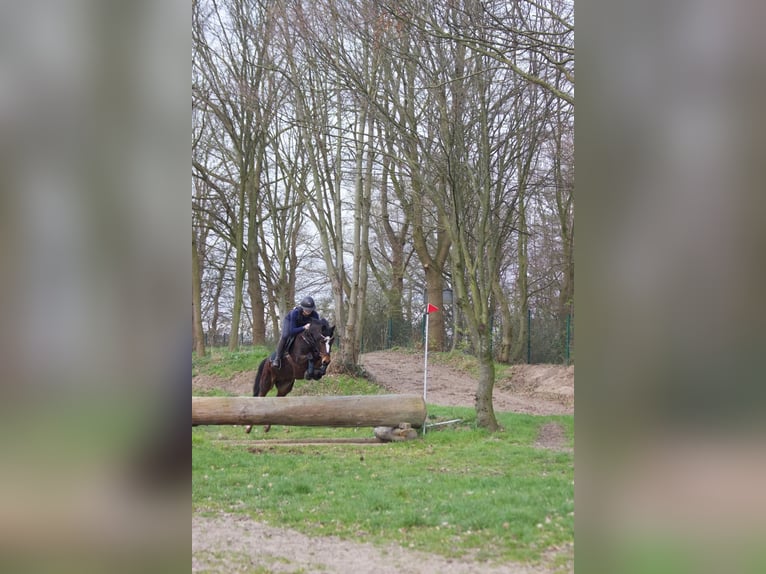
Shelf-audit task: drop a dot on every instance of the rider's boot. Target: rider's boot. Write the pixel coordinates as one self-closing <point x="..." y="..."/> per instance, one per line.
<point x="276" y="362"/>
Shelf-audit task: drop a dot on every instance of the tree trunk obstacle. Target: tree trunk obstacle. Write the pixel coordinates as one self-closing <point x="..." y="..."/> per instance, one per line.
<point x="326" y="411"/>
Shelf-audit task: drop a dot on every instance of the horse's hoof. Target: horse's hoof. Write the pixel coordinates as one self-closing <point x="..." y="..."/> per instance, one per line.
<point x="248" y="428"/>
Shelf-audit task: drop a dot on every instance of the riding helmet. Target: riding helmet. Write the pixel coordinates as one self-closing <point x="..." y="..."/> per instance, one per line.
<point x="308" y="304"/>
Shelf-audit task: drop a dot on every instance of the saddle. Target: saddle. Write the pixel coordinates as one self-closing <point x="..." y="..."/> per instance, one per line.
<point x="312" y="372"/>
<point x="286" y="351"/>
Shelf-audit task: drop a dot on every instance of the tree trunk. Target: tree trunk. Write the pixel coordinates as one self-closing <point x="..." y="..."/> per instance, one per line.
<point x="239" y="266"/>
<point x="366" y="202"/>
<point x="435" y="296"/>
<point x="254" y="290"/>
<point x="199" y="335"/>
<point x="522" y="286"/>
<point x="391" y="243"/>
<point x="254" y="285"/>
<point x="504" y="352"/>
<point x="564" y="208"/>
<point x="356" y="301"/>
<point x="216" y="315"/>
<point x="485" y="412"/>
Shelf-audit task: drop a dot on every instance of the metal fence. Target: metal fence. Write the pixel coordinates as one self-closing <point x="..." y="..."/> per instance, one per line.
<point x="222" y="339"/>
<point x="548" y="337"/>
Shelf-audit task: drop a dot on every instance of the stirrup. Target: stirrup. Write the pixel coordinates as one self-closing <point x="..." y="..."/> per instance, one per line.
<point x="276" y="363"/>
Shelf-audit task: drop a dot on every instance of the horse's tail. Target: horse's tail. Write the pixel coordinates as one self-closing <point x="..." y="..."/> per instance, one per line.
<point x="257" y="387"/>
<point x="257" y="384"/>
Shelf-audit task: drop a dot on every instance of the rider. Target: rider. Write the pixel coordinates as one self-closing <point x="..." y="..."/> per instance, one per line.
<point x="294" y="323"/>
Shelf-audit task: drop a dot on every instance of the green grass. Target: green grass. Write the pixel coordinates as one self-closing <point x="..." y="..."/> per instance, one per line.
<point x="224" y="363"/>
<point x="457" y="490"/>
<point x="335" y="385"/>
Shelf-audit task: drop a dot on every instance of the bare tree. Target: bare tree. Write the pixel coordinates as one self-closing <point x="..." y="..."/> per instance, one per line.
<point x="197" y="251"/>
<point x="238" y="87"/>
<point x="222" y="66"/>
<point x="334" y="71"/>
<point x="317" y="113"/>
<point x="412" y="145"/>
<point x="419" y="142"/>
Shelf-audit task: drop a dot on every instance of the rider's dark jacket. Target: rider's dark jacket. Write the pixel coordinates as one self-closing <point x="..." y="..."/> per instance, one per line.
<point x="295" y="321"/>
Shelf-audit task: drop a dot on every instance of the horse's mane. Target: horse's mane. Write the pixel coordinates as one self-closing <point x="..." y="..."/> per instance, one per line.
<point x="324" y="324"/>
<point x="326" y="329"/>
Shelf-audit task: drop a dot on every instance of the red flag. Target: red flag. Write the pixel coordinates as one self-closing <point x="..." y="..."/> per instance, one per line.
<point x="431" y="309"/>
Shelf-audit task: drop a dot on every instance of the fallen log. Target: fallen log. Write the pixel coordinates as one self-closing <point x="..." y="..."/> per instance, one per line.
<point x="329" y="411"/>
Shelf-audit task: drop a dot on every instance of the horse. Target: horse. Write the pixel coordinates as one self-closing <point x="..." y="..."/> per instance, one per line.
<point x="313" y="344"/>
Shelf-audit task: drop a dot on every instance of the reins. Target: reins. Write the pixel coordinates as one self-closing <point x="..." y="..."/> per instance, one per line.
<point x="312" y="342"/>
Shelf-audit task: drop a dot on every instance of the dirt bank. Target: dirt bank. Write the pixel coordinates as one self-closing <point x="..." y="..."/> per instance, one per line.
<point x="530" y="389"/>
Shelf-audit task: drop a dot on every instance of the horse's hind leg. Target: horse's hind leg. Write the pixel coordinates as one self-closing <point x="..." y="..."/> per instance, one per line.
<point x="264" y="380"/>
<point x="274" y="382"/>
<point x="282" y="389"/>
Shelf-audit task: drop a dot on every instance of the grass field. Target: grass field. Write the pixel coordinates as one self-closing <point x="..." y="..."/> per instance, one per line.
<point x="458" y="490"/>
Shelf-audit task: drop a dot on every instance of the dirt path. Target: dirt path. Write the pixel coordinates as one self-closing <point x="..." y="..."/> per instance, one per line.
<point x="236" y="544"/>
<point x="233" y="544"/>
<point x="531" y="389"/>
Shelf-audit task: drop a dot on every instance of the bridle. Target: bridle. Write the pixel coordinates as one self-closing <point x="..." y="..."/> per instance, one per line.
<point x="316" y="345"/>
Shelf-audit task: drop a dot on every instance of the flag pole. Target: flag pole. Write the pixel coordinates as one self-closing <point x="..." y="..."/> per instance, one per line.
<point x="425" y="370"/>
<point x="429" y="309"/>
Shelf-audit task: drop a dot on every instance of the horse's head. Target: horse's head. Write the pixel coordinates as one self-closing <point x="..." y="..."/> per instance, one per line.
<point x="326" y="339"/>
<point x="321" y="336"/>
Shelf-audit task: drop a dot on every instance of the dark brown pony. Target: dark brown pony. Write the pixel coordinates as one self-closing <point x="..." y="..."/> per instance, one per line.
<point x="313" y="344"/>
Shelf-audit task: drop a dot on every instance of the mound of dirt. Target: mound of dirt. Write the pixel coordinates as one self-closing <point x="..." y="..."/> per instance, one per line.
<point x="240" y="384"/>
<point x="554" y="382"/>
<point x="531" y="389"/>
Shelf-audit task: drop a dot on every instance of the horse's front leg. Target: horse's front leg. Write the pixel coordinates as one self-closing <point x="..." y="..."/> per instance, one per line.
<point x="284" y="388"/>
<point x="310" y="368"/>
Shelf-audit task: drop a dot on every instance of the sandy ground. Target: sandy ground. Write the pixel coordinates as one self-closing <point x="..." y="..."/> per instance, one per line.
<point x="230" y="543"/>
<point x="236" y="544"/>
<point x="531" y="389"/>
